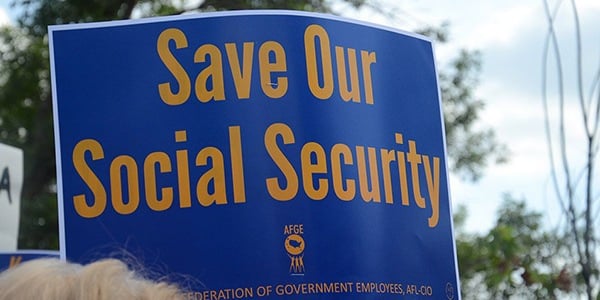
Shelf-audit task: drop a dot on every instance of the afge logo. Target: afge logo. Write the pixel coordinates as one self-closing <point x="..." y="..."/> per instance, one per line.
<point x="294" y="246"/>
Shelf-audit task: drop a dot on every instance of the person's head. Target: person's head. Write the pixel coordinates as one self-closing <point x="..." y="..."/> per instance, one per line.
<point x="108" y="279"/>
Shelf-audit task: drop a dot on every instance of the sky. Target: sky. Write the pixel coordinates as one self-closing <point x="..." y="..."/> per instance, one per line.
<point x="510" y="35"/>
<point x="4" y="18"/>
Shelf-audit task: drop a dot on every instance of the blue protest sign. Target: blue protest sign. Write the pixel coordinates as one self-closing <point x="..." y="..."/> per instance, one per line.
<point x="9" y="259"/>
<point x="265" y="154"/>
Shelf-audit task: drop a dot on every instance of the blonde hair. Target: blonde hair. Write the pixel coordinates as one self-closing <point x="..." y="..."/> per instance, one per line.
<point x="107" y="279"/>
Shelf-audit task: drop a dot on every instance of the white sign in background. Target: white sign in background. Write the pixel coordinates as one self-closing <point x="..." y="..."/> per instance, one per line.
<point x="11" y="182"/>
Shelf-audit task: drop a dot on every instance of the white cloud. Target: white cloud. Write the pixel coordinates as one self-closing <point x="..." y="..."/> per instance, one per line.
<point x="504" y="26"/>
<point x="4" y="19"/>
<point x="588" y="5"/>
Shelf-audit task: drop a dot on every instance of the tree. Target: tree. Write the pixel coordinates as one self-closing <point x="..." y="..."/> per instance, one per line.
<point x="573" y="180"/>
<point x="470" y="149"/>
<point x="26" y="106"/>
<point x="517" y="258"/>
